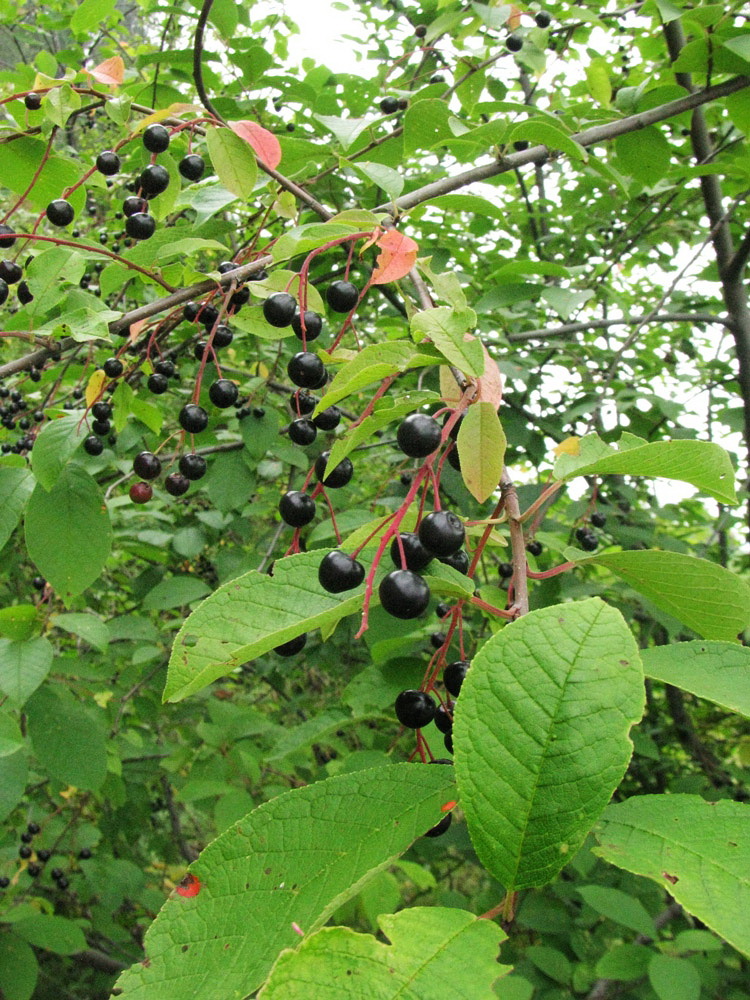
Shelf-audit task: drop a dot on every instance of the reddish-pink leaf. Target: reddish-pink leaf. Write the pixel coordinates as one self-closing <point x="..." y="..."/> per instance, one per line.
<point x="490" y="382"/>
<point x="264" y="143"/>
<point x="397" y="257"/>
<point x="110" y="71"/>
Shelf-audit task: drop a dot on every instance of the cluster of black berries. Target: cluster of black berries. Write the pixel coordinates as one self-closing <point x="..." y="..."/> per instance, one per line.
<point x="11" y="273"/>
<point x="14" y="414"/>
<point x="147" y="466"/>
<point x="40" y="857"/>
<point x="588" y="539"/>
<point x="515" y="42"/>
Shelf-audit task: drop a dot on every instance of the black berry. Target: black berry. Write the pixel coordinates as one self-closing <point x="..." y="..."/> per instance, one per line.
<point x="3" y="291"/>
<point x="165" y="368"/>
<point x="306" y="370"/>
<point x="33" y="829"/>
<point x="442" y="532"/>
<point x="6" y="240"/>
<point x="535" y="548"/>
<point x="155" y="138"/>
<point x="191" y="167"/>
<point x="453" y="676"/>
<point x="278" y="309"/>
<point x="437" y="640"/>
<point x="302" y="431"/>
<point x="57" y="873"/>
<point x="146" y="465"/>
<point x="223" y="393"/>
<point x="24" y="851"/>
<point x="303" y="403"/>
<point x="313" y="324"/>
<point x="514" y="43"/>
<point x="337" y="477"/>
<point x="140" y="226"/>
<point x="33" y="101"/>
<point x="108" y="163"/>
<point x="296" y="508"/>
<point x="293" y="646"/>
<point x="10" y="271"/>
<point x="443" y="720"/>
<point x="60" y="212"/>
<point x="328" y="419"/>
<point x="4" y="881"/>
<point x="84" y="854"/>
<point x="543" y="19"/>
<point x="342" y="296"/>
<point x="388" y="105"/>
<point x="38" y="583"/>
<point x="44" y="854"/>
<point x="505" y="569"/>
<point x="339" y="572"/>
<point x="24" y="293"/>
<point x="418" y="435"/>
<point x="458" y="560"/>
<point x="193" y="418"/>
<point x="223" y="336"/>
<point x="442" y="610"/>
<point x="176" y="484"/>
<point x="101" y="411"/>
<point x="420" y="31"/>
<point x="587" y="539"/>
<point x="598" y="519"/>
<point x="101" y="427"/>
<point x="113" y="367"/>
<point x="403" y="594"/>
<point x="415" y="709"/>
<point x="153" y="180"/>
<point x="417" y="556"/>
<point x="158" y="384"/>
<point x="132" y="205"/>
<point x="192" y="466"/>
<point x="34" y="869"/>
<point x="93" y="445"/>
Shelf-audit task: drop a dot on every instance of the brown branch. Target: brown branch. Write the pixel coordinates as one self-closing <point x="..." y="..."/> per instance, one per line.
<point x="733" y="270"/>
<point x="604" y="324"/>
<point x="509" y="498"/>
<point x="96" y="959"/>
<point x="189" y="853"/>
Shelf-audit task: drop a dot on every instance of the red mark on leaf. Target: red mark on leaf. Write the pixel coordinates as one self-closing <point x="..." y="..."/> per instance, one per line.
<point x="264" y="143"/>
<point x="397" y="257"/>
<point x="673" y="879"/>
<point x="297" y="929"/>
<point x="189" y="886"/>
<point x="447" y="806"/>
<point x="110" y="71"/>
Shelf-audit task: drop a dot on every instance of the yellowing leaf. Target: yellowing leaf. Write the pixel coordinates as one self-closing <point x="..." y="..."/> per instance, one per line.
<point x="111" y="71"/>
<point x="173" y="111"/>
<point x="570" y="446"/>
<point x="449" y="388"/>
<point x="264" y="143"/>
<point x="481" y="449"/>
<point x="397" y="257"/>
<point x="95" y="386"/>
<point x="103" y="698"/>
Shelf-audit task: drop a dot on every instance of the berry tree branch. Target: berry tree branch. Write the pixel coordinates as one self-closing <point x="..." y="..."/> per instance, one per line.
<point x="733" y="271"/>
<point x="548" y="332"/>
<point x="509" y="499"/>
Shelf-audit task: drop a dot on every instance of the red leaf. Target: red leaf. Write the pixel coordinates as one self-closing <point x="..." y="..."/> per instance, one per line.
<point x="265" y="143"/>
<point x="189" y="886"/>
<point x="398" y="256"/>
<point x="110" y="71"/>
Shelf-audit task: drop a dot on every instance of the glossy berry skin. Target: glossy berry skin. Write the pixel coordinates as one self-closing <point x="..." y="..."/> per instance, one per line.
<point x="443" y="720"/>
<point x="108" y="163"/>
<point x="415" y="709"/>
<point x="342" y="296"/>
<point x="278" y="309"/>
<point x="156" y="138"/>
<point x="44" y="854"/>
<point x="420" y="31"/>
<point x="295" y="645"/>
<point x="3" y="291"/>
<point x="113" y="367"/>
<point x="505" y="569"/>
<point x="223" y="393"/>
<point x="140" y="226"/>
<point x="306" y="370"/>
<point x="34" y="869"/>
<point x="133" y="204"/>
<point x="209" y="315"/>
<point x="158" y="384"/>
<point x="192" y="466"/>
<point x="92" y="445"/>
<point x="437" y="640"/>
<point x="60" y="212"/>
<point x="223" y="336"/>
<point x="458" y="560"/>
<point x="403" y="594"/>
<point x="514" y="43"/>
<point x="453" y="676"/>
<point x="587" y="540"/>
<point x="440" y="828"/>
<point x="153" y="180"/>
<point x="337" y="477"/>
<point x="417" y="556"/>
<point x="302" y="432"/>
<point x="176" y="484"/>
<point x="10" y="271"/>
<point x="442" y="610"/>
<point x="101" y="411"/>
<point x="442" y="532"/>
<point x="329" y="419"/>
<point x="296" y="508"/>
<point x="25" y="852"/>
<point x="100" y="427"/>
<point x="303" y="403"/>
<point x="339" y="572"/>
<point x="543" y="19"/>
<point x="141" y="492"/>
<point x="146" y="465"/>
<point x="84" y="854"/>
<point x="193" y="418"/>
<point x="313" y="324"/>
<point x="535" y="548"/>
<point x="5" y="239"/>
<point x="33" y="101"/>
<point x="165" y="368"/>
<point x="388" y="105"/>
<point x="191" y="167"/>
<point x="239" y="299"/>
<point x="33" y="829"/>
<point x="24" y="293"/>
<point x="598" y="519"/>
<point x="418" y="435"/>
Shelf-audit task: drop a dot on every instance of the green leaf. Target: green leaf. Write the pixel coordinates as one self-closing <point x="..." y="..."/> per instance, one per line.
<point x="19" y="622"/>
<point x="88" y="627"/>
<point x="20" y="163"/>
<point x="175" y="592"/>
<point x="674" y="978"/>
<point x="187" y="248"/>
<point x="18" y="968"/>
<point x="13" y="776"/>
<point x="740" y="46"/>
<point x="433" y="951"/>
<point x="618" y="906"/>
<point x="387" y="178"/>
<point x="16" y="486"/>
<point x="248" y="617"/>
<point x="11" y="740"/>
<point x="644" y="154"/>
<point x="551" y="962"/>
<point x="68" y="534"/>
<point x="47" y="274"/>
<point x="386" y="411"/>
<point x="23" y="667"/>
<point x="59" y="105"/>
<point x="446" y="327"/>
<point x="91" y="14"/>
<point x="667" y="11"/>
<point x="597" y="81"/>
<point x="718" y="671"/>
<point x="542" y="133"/>
<point x="697" y="851"/>
<point x="426" y="125"/>
<point x="293" y="860"/>
<point x="541" y="736"/>
<point x="481" y="449"/>
<point x="702" y="595"/>
<point x="233" y="160"/>
<point x="346" y="130"/>
<point x="69" y="743"/>
<point x="54" y="447"/>
<point x="56" y="934"/>
<point x="374" y="363"/>
<point x="452" y="203"/>
<point x="703" y="464"/>
<point x="625" y="961"/>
